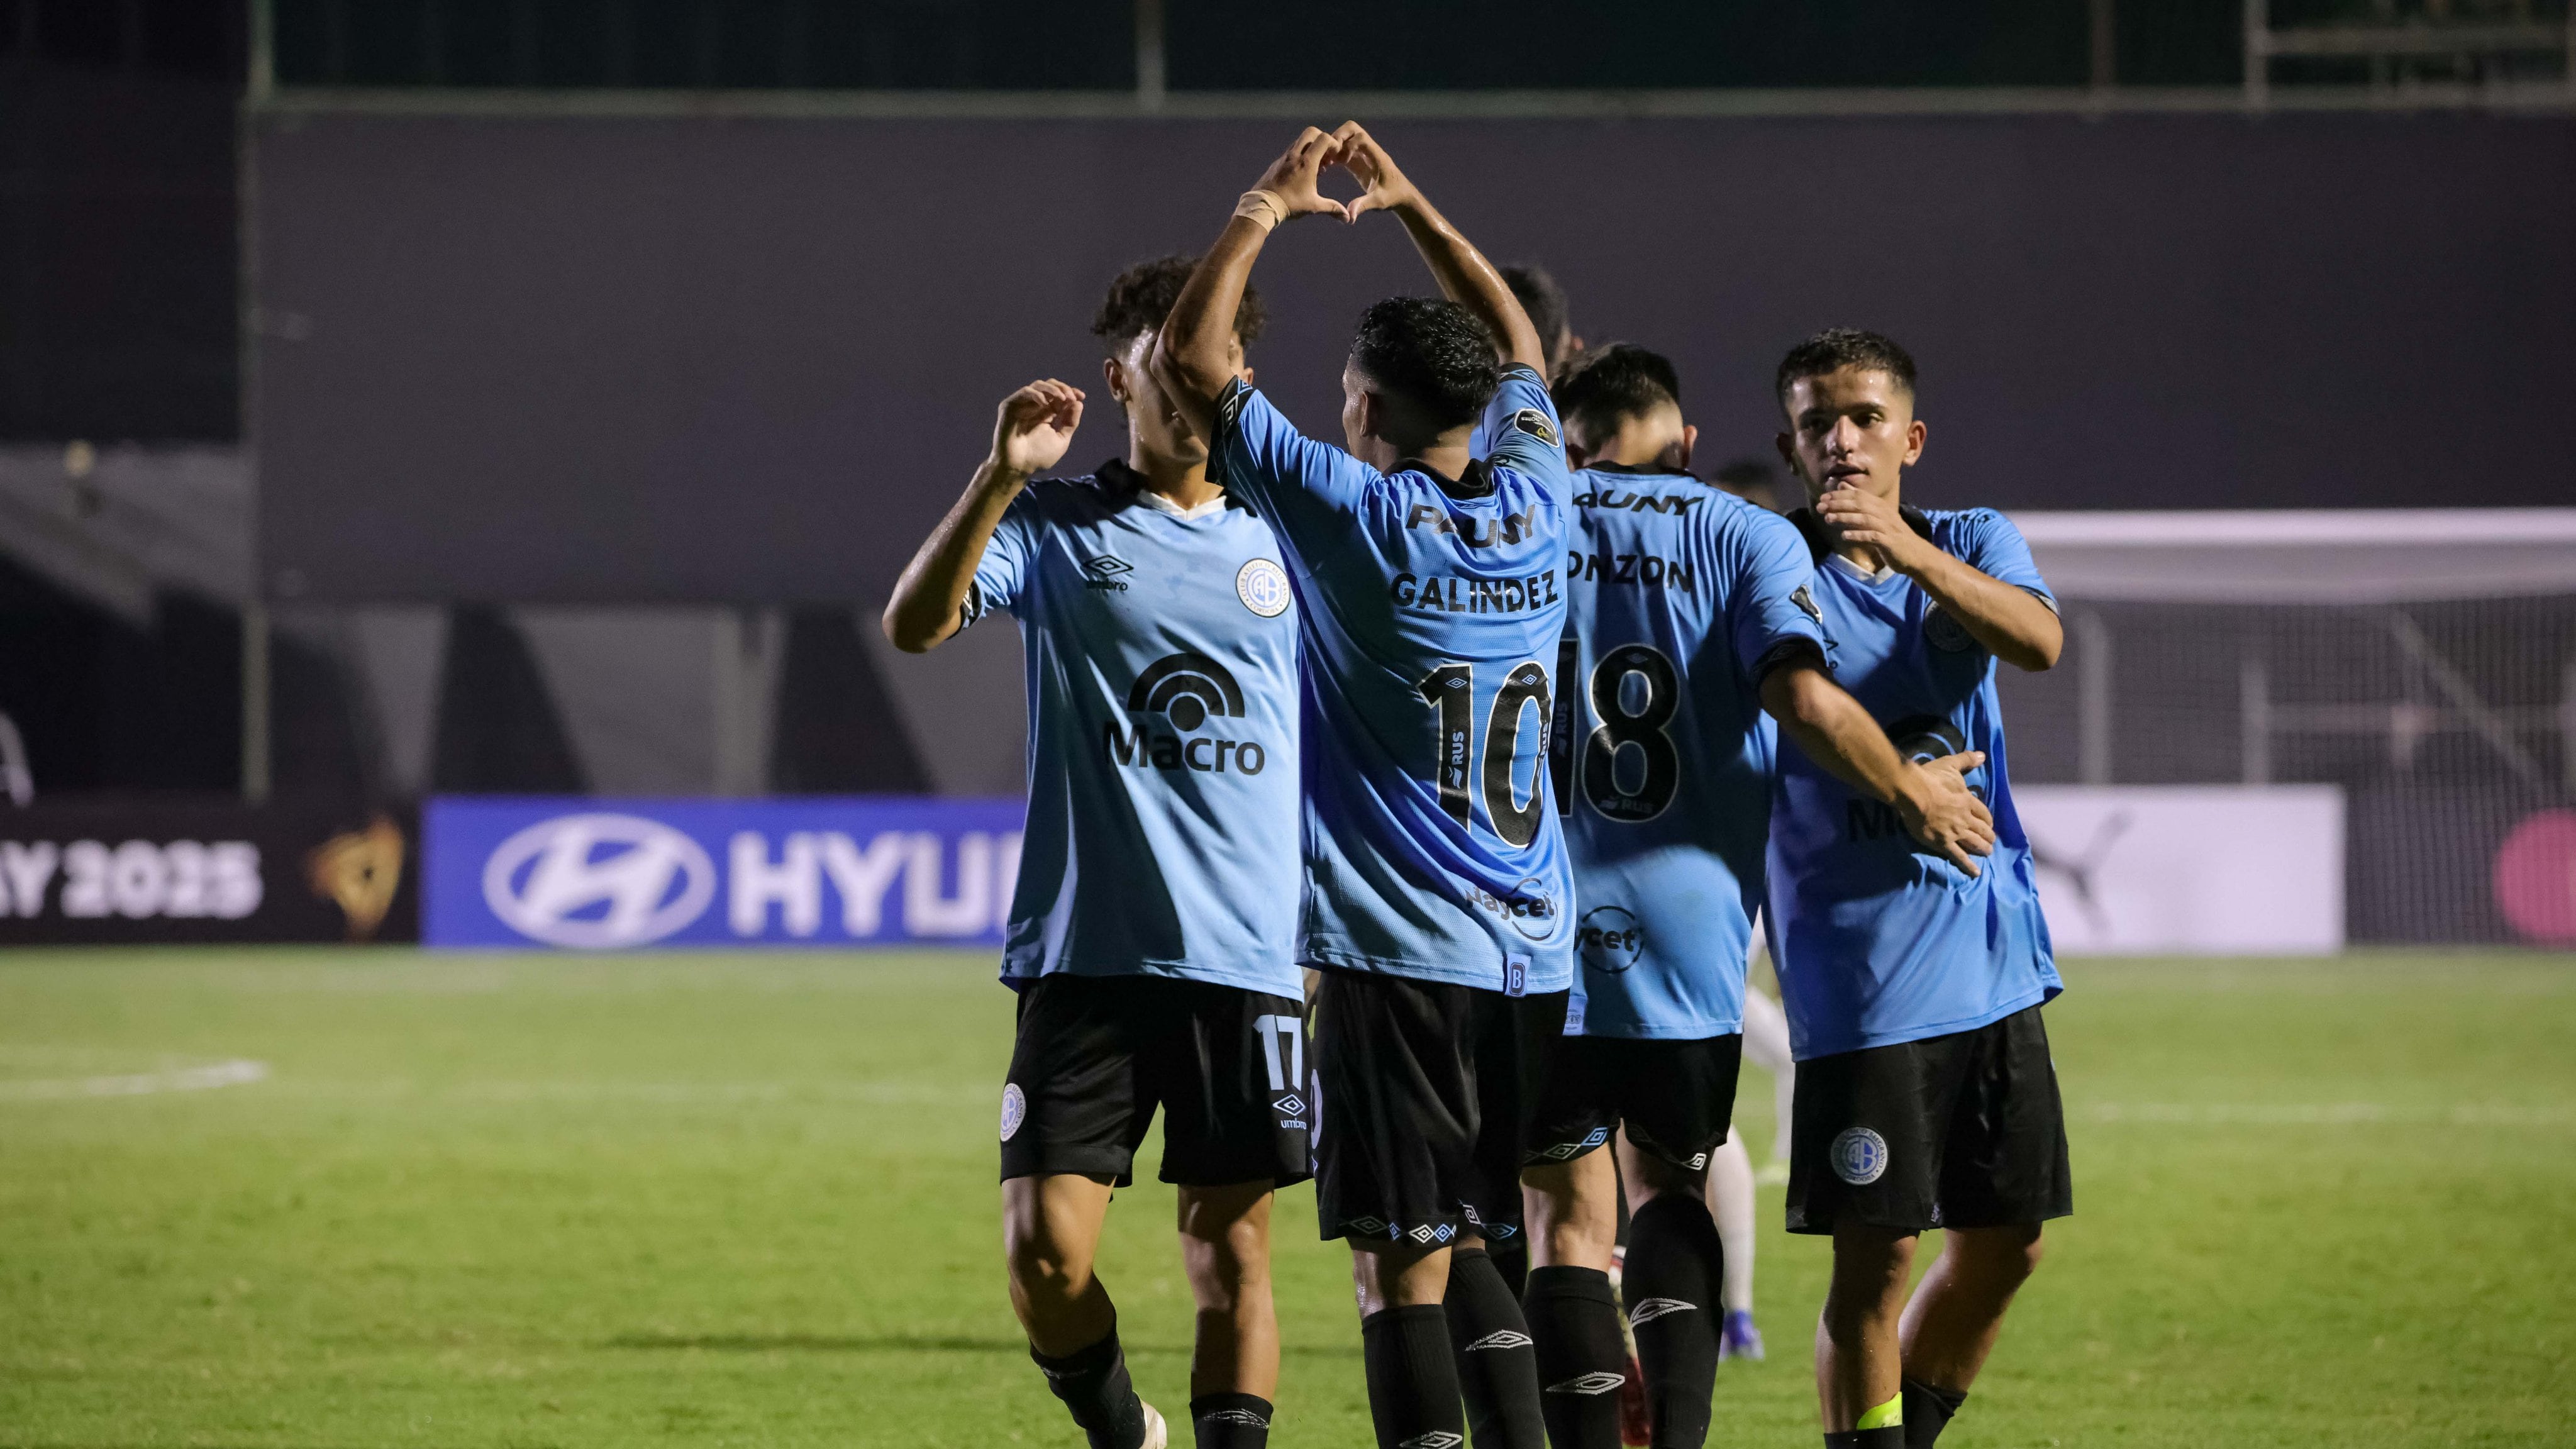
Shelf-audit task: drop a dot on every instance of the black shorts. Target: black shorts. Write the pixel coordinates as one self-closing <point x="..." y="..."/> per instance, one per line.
<point x="1428" y="1090"/>
<point x="1676" y="1097"/>
<point x="1957" y="1131"/>
<point x="1097" y="1054"/>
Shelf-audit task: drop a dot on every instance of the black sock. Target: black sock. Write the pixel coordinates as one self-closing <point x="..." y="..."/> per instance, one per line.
<point x="1093" y="1383"/>
<point x="1497" y="1372"/>
<point x="1412" y="1380"/>
<point x="1582" y="1360"/>
<point x="1230" y="1421"/>
<point x="1673" y="1284"/>
<point x="1890" y="1437"/>
<point x="1928" y="1408"/>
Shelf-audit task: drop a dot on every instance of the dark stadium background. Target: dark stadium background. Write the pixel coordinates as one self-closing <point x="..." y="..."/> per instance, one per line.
<point x="373" y="370"/>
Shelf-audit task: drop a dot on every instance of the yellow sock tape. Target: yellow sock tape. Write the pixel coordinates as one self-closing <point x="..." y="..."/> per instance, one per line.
<point x="1890" y="1413"/>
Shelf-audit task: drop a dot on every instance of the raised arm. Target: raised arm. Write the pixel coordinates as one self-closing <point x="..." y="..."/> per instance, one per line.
<point x="1034" y="427"/>
<point x="1465" y="277"/>
<point x="2014" y="624"/>
<point x="1838" y="734"/>
<point x="1190" y="358"/>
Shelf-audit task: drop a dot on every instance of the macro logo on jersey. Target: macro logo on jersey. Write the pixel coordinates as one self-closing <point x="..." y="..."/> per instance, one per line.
<point x="1610" y="939"/>
<point x="1263" y="588"/>
<point x="1921" y="739"/>
<point x="1859" y="1156"/>
<point x="1187" y="689"/>
<point x="598" y="881"/>
<point x="1106" y="572"/>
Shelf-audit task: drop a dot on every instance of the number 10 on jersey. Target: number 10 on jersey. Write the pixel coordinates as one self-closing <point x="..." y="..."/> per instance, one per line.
<point x="1450" y="690"/>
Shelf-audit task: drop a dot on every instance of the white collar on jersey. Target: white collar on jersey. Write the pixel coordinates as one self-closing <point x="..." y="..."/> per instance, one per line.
<point x="1856" y="571"/>
<point x="1209" y="509"/>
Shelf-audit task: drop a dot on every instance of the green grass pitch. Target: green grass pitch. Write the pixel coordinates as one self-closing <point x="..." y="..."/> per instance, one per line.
<point x="728" y="1200"/>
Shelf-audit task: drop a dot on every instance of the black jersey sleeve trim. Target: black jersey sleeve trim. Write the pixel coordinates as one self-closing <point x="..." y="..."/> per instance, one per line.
<point x="1787" y="652"/>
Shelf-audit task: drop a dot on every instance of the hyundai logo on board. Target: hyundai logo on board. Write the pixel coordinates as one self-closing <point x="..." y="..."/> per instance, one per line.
<point x="599" y="881"/>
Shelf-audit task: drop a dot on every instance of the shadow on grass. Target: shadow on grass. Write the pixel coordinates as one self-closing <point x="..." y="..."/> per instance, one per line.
<point x="896" y="1343"/>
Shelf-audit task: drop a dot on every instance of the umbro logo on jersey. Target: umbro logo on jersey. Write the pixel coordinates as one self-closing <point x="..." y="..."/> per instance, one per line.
<point x="1290" y="1105"/>
<point x="1650" y="1309"/>
<point x="1187" y="689"/>
<point x="1499" y="1338"/>
<point x="1106" y="571"/>
<point x="1589" y="1384"/>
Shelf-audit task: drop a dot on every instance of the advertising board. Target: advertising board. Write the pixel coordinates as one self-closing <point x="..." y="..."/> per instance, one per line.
<point x="610" y="874"/>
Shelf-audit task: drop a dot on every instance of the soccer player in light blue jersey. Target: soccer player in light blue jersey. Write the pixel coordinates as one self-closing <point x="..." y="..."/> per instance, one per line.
<point x="1431" y="594"/>
<point x="1152" y="932"/>
<point x="1691" y="626"/>
<point x="1926" y="1097"/>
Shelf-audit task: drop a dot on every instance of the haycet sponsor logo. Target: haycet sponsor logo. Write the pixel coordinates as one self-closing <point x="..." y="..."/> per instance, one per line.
<point x="598" y="882"/>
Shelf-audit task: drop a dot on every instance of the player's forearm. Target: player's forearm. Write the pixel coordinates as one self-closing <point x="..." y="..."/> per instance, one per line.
<point x="1834" y="730"/>
<point x="2010" y="622"/>
<point x="1469" y="280"/>
<point x="929" y="601"/>
<point x="1190" y="353"/>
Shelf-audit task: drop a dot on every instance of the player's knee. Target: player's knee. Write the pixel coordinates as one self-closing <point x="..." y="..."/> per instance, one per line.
<point x="1039" y="1263"/>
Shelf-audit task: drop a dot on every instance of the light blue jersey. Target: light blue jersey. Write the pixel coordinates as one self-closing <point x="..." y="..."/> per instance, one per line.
<point x="1878" y="941"/>
<point x="1679" y="597"/>
<point x="1429" y="611"/>
<point x="1162" y="679"/>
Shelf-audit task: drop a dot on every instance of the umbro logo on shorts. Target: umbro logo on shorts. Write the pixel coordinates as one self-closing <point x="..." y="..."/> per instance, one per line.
<point x="1650" y="1309"/>
<point x="1589" y="1384"/>
<point x="1499" y="1338"/>
<point x="1436" y="1439"/>
<point x="1428" y="1233"/>
<point x="1368" y="1226"/>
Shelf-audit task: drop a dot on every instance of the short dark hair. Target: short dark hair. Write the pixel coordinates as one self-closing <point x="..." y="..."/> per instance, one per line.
<point x="1836" y="348"/>
<point x="1142" y="298"/>
<point x="1430" y="352"/>
<point x="1620" y="381"/>
<point x="1544" y="301"/>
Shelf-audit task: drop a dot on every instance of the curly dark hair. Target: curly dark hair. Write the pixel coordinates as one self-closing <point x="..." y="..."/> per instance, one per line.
<point x="1836" y="348"/>
<point x="1544" y="301"/>
<point x="1603" y="388"/>
<point x="1430" y="352"/>
<point x="1143" y="296"/>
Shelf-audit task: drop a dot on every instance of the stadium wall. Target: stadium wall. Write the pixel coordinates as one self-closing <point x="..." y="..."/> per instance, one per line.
<point x="740" y="360"/>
